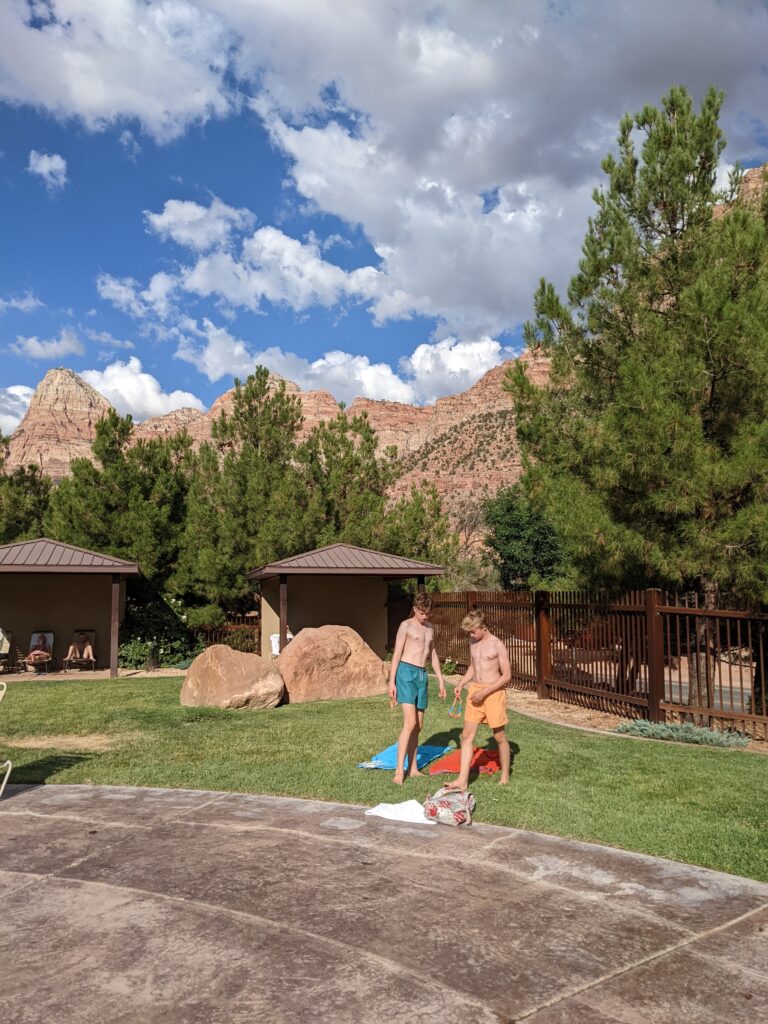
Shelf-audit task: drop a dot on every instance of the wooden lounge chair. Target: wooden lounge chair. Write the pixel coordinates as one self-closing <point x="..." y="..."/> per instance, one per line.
<point x="40" y="656"/>
<point x="83" y="640"/>
<point x="5" y="767"/>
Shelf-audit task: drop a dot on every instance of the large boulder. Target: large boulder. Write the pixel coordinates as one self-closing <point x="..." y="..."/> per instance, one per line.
<point x="330" y="661"/>
<point x="223" y="678"/>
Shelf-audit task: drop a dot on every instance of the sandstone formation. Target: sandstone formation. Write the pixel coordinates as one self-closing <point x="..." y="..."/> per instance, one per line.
<point x="59" y="426"/>
<point x="223" y="678"/>
<point x="448" y="444"/>
<point x="330" y="661"/>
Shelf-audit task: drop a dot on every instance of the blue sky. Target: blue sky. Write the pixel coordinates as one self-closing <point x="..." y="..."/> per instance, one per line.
<point x="363" y="198"/>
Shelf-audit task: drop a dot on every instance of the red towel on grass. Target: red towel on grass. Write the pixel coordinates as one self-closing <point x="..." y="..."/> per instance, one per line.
<point x="484" y="761"/>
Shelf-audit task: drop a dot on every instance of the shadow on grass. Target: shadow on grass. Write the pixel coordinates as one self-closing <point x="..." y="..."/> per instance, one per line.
<point x="453" y="736"/>
<point x="46" y="767"/>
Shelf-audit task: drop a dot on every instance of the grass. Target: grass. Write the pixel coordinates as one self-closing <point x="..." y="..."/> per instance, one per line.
<point x="698" y="805"/>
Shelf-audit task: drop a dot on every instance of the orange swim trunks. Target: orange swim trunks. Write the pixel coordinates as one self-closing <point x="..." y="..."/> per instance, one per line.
<point x="492" y="712"/>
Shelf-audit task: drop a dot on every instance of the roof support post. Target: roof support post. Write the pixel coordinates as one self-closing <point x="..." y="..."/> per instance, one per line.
<point x="114" y="625"/>
<point x="283" y="611"/>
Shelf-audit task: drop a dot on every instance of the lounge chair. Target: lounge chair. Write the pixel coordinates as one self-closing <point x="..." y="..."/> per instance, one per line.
<point x="83" y="641"/>
<point x="40" y="656"/>
<point x="5" y="767"/>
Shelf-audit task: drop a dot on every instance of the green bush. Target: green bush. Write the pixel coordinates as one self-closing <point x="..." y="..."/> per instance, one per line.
<point x="208" y="617"/>
<point x="154" y="633"/>
<point x="683" y="733"/>
<point x="241" y="639"/>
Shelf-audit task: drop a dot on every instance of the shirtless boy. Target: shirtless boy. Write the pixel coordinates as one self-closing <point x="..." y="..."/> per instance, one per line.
<point x="408" y="681"/>
<point x="486" y="679"/>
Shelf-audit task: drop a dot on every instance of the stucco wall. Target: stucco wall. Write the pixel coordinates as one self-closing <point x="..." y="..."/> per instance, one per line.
<point x="356" y="601"/>
<point x="60" y="603"/>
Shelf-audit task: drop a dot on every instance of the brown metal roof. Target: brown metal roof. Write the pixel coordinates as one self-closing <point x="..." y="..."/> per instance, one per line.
<point x="346" y="560"/>
<point x="51" y="556"/>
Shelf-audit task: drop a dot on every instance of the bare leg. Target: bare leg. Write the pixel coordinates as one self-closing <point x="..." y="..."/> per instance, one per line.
<point x="504" y="756"/>
<point x="467" y="747"/>
<point x="413" y="746"/>
<point x="410" y="725"/>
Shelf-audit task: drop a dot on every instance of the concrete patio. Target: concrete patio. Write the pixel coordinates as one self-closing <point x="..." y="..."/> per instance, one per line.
<point x="150" y="905"/>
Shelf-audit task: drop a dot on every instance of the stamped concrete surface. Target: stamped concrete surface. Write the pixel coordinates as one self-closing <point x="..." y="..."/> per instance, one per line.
<point x="152" y="905"/>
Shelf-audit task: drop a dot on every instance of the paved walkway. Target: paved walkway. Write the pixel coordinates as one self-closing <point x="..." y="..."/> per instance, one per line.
<point x="169" y="906"/>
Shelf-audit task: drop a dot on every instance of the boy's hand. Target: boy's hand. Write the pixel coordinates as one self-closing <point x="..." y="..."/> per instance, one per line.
<point x="479" y="696"/>
<point x="457" y="692"/>
<point x="392" y="690"/>
<point x="441" y="689"/>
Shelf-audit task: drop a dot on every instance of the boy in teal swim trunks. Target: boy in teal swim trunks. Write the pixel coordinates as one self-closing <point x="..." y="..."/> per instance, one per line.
<point x="408" y="681"/>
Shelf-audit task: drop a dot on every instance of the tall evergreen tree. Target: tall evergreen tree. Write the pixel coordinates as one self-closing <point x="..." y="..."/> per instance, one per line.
<point x="649" y="451"/>
<point x="131" y="504"/>
<point x="24" y="497"/>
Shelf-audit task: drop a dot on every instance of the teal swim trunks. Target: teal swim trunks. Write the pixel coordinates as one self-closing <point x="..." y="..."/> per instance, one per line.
<point x="411" y="683"/>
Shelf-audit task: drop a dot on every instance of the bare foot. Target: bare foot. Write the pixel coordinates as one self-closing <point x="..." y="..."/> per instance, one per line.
<point x="503" y="780"/>
<point x="457" y="785"/>
<point x="398" y="779"/>
<point x="415" y="774"/>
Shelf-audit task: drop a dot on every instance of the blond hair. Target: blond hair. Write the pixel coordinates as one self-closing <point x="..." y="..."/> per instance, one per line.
<point x="422" y="602"/>
<point x="475" y="620"/>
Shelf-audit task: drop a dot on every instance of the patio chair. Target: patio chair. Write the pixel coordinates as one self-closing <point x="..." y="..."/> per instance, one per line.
<point x="40" y="656"/>
<point x="82" y="650"/>
<point x="5" y="767"/>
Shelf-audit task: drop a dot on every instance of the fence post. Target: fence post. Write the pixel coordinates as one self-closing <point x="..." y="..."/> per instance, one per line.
<point x="471" y="600"/>
<point x="543" y="633"/>
<point x="654" y="631"/>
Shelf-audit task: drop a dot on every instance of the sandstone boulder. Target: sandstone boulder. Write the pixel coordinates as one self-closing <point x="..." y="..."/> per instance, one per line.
<point x="223" y="678"/>
<point x="330" y="661"/>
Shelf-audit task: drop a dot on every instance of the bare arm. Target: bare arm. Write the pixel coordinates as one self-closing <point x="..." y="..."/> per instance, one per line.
<point x="396" y="656"/>
<point x="506" y="669"/>
<point x="439" y="673"/>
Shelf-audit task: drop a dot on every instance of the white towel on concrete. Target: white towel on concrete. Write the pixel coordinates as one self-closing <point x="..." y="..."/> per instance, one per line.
<point x="409" y="810"/>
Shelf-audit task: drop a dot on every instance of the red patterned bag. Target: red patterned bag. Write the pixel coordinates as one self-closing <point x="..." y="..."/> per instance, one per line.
<point x="450" y="807"/>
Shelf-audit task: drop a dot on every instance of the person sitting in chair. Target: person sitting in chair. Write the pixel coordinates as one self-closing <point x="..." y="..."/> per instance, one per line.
<point x="39" y="649"/>
<point x="80" y="649"/>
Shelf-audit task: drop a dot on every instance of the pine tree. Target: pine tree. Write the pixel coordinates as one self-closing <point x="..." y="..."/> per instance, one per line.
<point x="649" y="451"/>
<point x="131" y="504"/>
<point x="524" y="546"/>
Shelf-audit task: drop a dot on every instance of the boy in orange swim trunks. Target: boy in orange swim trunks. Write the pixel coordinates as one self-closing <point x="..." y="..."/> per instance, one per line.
<point x="486" y="680"/>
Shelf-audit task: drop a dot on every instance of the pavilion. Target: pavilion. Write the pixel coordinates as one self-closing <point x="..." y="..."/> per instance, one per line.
<point x="49" y="586"/>
<point x="340" y="585"/>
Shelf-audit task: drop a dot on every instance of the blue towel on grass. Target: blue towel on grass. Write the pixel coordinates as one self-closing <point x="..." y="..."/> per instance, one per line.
<point x="387" y="759"/>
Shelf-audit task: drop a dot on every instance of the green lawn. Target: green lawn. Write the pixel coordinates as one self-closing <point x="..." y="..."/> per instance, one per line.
<point x="699" y="805"/>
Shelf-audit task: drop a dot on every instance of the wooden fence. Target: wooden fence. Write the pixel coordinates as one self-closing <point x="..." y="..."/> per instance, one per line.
<point x="643" y="654"/>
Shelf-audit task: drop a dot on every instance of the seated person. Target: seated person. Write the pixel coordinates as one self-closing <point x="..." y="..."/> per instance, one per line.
<point x="274" y="640"/>
<point x="39" y="650"/>
<point x="80" y="649"/>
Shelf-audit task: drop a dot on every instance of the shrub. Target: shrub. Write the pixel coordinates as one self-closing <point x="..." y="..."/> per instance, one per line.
<point x="241" y="639"/>
<point x="208" y="617"/>
<point x="683" y="733"/>
<point x="154" y="633"/>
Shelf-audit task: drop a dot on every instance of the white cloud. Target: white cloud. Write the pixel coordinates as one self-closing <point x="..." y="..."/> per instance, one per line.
<point x="51" y="167"/>
<point x="432" y="369"/>
<point x="130" y="390"/>
<point x="67" y="344"/>
<point x="25" y="304"/>
<point x="198" y="227"/>
<point x="130" y="144"/>
<point x="13" y="405"/>
<point x="163" y="63"/>
<point x="125" y="294"/>
<point x="105" y="338"/>
<point x="451" y="365"/>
